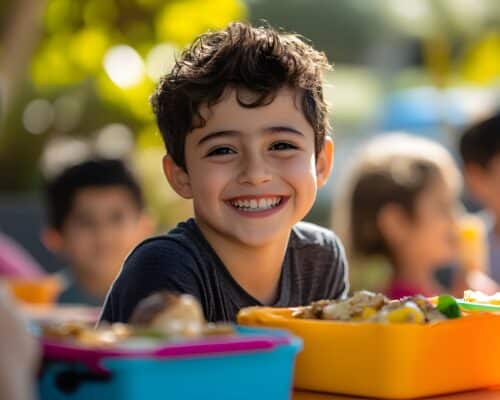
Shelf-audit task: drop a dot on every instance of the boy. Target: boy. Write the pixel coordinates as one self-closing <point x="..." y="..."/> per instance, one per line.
<point x="480" y="151"/>
<point x="244" y="123"/>
<point x="95" y="217"/>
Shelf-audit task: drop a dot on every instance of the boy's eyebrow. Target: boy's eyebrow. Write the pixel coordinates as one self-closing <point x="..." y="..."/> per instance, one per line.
<point x="274" y="129"/>
<point x="217" y="134"/>
<point x="271" y="129"/>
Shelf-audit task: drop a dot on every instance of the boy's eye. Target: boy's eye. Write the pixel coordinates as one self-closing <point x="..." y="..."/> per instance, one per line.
<point x="282" y="146"/>
<point x="221" y="151"/>
<point x="84" y="222"/>
<point x="117" y="217"/>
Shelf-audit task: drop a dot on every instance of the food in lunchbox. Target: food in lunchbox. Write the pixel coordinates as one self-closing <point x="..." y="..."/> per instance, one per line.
<point x="375" y="307"/>
<point x="84" y="334"/>
<point x="448" y="306"/>
<point x="481" y="298"/>
<point x="162" y="315"/>
<point x="170" y="314"/>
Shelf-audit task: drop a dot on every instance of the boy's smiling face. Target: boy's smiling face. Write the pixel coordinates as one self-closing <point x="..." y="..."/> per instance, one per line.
<point x="252" y="172"/>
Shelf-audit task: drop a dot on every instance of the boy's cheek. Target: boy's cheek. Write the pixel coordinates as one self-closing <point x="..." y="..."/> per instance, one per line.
<point x="78" y="243"/>
<point x="78" y="250"/>
<point x="67" y="243"/>
<point x="303" y="167"/>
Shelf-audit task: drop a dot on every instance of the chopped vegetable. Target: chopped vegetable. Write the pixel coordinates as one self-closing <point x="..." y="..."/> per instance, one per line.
<point x="448" y="306"/>
<point x="409" y="312"/>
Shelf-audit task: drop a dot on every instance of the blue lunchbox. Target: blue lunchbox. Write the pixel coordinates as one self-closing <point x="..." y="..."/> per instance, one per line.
<point x="254" y="363"/>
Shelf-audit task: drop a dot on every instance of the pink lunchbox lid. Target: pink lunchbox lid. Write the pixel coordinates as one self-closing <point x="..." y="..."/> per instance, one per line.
<point x="217" y="345"/>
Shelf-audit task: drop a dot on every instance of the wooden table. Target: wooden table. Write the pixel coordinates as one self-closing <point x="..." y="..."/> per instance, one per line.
<point x="487" y="394"/>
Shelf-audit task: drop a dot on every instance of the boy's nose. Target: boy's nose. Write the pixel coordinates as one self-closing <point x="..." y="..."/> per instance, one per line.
<point x="254" y="171"/>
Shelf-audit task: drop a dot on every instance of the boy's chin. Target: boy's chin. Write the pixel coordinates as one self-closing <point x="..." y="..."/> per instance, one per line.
<point x="98" y="270"/>
<point x="259" y="238"/>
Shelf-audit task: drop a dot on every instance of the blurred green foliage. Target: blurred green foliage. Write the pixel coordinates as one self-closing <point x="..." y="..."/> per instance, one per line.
<point x="68" y="69"/>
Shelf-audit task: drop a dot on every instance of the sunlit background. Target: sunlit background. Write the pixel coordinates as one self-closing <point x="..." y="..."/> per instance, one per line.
<point x="425" y="66"/>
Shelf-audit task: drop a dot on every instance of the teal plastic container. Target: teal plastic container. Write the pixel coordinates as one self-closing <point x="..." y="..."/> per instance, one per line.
<point x="256" y="364"/>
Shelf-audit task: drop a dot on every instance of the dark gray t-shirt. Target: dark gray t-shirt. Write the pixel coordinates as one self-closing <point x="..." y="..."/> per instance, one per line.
<point x="314" y="268"/>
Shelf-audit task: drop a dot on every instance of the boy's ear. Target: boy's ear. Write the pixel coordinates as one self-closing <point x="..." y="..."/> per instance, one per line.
<point x="177" y="177"/>
<point x="324" y="161"/>
<point x="52" y="239"/>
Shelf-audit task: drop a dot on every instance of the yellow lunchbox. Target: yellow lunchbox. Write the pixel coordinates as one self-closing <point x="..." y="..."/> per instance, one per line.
<point x="393" y="361"/>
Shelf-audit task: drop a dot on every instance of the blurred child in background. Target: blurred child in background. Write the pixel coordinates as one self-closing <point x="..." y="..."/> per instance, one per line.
<point x="401" y="203"/>
<point x="95" y="217"/>
<point x="19" y="353"/>
<point x="480" y="151"/>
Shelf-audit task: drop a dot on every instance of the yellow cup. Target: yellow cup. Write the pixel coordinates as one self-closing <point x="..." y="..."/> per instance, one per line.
<point x="473" y="244"/>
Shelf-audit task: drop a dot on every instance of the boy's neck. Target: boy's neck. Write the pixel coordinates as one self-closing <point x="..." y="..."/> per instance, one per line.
<point x="256" y="269"/>
<point x="96" y="288"/>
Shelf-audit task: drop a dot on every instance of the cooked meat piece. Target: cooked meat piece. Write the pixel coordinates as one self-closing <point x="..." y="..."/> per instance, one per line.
<point x="170" y="314"/>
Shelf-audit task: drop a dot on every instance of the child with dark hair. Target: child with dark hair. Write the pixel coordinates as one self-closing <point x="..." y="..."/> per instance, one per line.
<point x="95" y="217"/>
<point x="245" y="125"/>
<point x="480" y="151"/>
<point x="400" y="202"/>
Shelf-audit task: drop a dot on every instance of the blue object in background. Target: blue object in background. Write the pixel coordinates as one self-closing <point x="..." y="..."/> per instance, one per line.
<point x="422" y="110"/>
<point x="245" y="375"/>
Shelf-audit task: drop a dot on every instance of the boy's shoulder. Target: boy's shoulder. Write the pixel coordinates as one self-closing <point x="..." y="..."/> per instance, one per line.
<point x="306" y="234"/>
<point x="176" y="261"/>
<point x="317" y="258"/>
<point x="182" y="242"/>
<point x="184" y="235"/>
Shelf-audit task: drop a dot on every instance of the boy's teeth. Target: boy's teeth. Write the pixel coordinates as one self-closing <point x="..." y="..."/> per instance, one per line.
<point x="257" y="204"/>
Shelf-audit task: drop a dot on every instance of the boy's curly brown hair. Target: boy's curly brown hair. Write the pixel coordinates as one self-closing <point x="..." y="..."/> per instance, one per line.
<point x="258" y="59"/>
